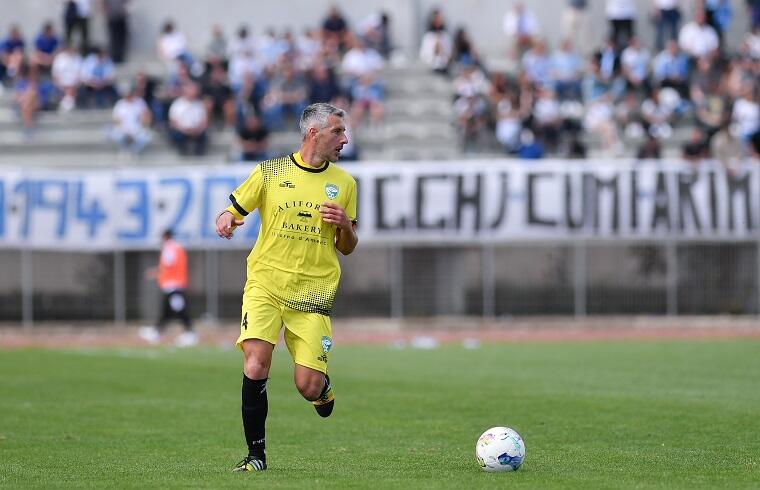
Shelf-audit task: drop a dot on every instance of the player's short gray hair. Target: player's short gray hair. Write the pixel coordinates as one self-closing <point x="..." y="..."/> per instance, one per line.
<point x="315" y="116"/>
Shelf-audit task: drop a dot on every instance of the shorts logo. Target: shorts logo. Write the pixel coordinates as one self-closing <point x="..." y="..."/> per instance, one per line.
<point x="326" y="344"/>
<point x="245" y="321"/>
<point x="331" y="190"/>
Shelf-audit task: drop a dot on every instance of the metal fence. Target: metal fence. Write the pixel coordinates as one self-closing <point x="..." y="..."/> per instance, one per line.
<point x="569" y="278"/>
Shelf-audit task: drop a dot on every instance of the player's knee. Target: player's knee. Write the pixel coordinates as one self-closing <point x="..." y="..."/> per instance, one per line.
<point x="311" y="388"/>
<point x="254" y="368"/>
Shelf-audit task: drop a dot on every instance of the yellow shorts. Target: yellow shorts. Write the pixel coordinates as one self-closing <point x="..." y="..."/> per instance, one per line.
<point x="307" y="335"/>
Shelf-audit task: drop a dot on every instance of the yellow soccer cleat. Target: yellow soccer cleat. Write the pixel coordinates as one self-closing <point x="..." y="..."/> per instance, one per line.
<point x="250" y="463"/>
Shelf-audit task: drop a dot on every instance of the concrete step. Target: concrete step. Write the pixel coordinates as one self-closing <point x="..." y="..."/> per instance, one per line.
<point x="410" y="69"/>
<point x="431" y="133"/>
<point x="6" y="100"/>
<point x="86" y="141"/>
<point x="421" y="98"/>
<point x="79" y="119"/>
<point x="127" y="71"/>
<point x="414" y="86"/>
<point x="107" y="159"/>
<point x="81" y="146"/>
<point x="404" y="153"/>
<point x="408" y="106"/>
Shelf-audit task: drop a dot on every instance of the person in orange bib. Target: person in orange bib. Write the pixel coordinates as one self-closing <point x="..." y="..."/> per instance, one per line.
<point x="171" y="275"/>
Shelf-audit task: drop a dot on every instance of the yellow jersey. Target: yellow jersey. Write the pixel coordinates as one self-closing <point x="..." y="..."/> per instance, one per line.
<point x="294" y="257"/>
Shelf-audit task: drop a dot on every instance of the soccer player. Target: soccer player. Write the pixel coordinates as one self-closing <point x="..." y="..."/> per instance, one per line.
<point x="307" y="207"/>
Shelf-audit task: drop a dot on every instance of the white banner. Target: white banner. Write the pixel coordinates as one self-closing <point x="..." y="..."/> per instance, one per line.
<point x="435" y="203"/>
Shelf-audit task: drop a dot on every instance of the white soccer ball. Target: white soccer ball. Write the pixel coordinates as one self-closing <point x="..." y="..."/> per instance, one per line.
<point x="500" y="449"/>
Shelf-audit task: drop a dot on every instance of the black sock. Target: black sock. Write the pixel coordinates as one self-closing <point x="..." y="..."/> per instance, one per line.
<point x="254" y="410"/>
<point x="326" y="387"/>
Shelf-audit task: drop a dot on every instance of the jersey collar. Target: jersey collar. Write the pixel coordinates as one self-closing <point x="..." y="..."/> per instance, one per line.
<point x="296" y="158"/>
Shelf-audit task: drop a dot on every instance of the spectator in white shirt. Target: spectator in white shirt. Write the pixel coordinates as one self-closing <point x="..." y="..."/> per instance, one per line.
<point x="471" y="80"/>
<point x="436" y="50"/>
<point x="599" y="120"/>
<point x="634" y="64"/>
<point x="658" y="115"/>
<point x="509" y="117"/>
<point x="746" y="113"/>
<point x="697" y="38"/>
<point x="751" y="43"/>
<point x="188" y="121"/>
<point x="131" y="122"/>
<point x="546" y="118"/>
<point x="520" y="26"/>
<point x="361" y="60"/>
<point x="172" y="46"/>
<point x="242" y="43"/>
<point x="243" y="64"/>
<point x="308" y="46"/>
<point x="67" y="66"/>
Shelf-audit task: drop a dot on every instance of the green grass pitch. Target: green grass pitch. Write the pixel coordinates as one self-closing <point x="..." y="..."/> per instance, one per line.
<point x="648" y="414"/>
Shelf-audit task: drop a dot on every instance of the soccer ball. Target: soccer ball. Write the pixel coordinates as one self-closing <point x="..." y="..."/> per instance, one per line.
<point x="500" y="449"/>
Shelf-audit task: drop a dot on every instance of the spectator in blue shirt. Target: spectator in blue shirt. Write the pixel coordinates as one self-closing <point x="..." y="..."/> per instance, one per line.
<point x="670" y="68"/>
<point x="719" y="14"/>
<point x="11" y="53"/>
<point x="45" y="47"/>
<point x="323" y="85"/>
<point x="537" y="64"/>
<point x="98" y="78"/>
<point x="530" y="148"/>
<point x="566" y="70"/>
<point x="31" y="95"/>
<point x="13" y="41"/>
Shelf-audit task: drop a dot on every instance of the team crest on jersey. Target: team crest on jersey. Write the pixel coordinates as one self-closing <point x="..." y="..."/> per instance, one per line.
<point x="331" y="190"/>
<point x="326" y="344"/>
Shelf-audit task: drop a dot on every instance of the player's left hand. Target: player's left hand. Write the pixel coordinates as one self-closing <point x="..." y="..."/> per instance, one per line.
<point x="334" y="215"/>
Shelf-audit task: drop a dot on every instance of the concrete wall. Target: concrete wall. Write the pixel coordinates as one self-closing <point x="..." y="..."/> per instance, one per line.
<point x="481" y="17"/>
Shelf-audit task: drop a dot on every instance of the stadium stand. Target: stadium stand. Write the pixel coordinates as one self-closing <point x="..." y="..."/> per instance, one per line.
<point x="608" y="104"/>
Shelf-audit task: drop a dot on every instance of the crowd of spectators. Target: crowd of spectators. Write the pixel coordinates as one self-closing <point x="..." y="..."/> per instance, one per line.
<point x="556" y="100"/>
<point x="620" y="94"/>
<point x="250" y="84"/>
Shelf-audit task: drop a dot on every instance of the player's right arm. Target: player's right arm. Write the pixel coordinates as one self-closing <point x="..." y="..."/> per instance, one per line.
<point x="245" y="199"/>
<point x="226" y="223"/>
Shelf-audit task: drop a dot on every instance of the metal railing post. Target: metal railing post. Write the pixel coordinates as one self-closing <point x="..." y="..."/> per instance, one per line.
<point x="397" y="281"/>
<point x="579" y="278"/>
<point x="119" y="288"/>
<point x="27" y="288"/>
<point x="212" y="285"/>
<point x="757" y="275"/>
<point x="488" y="262"/>
<point x="671" y="278"/>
